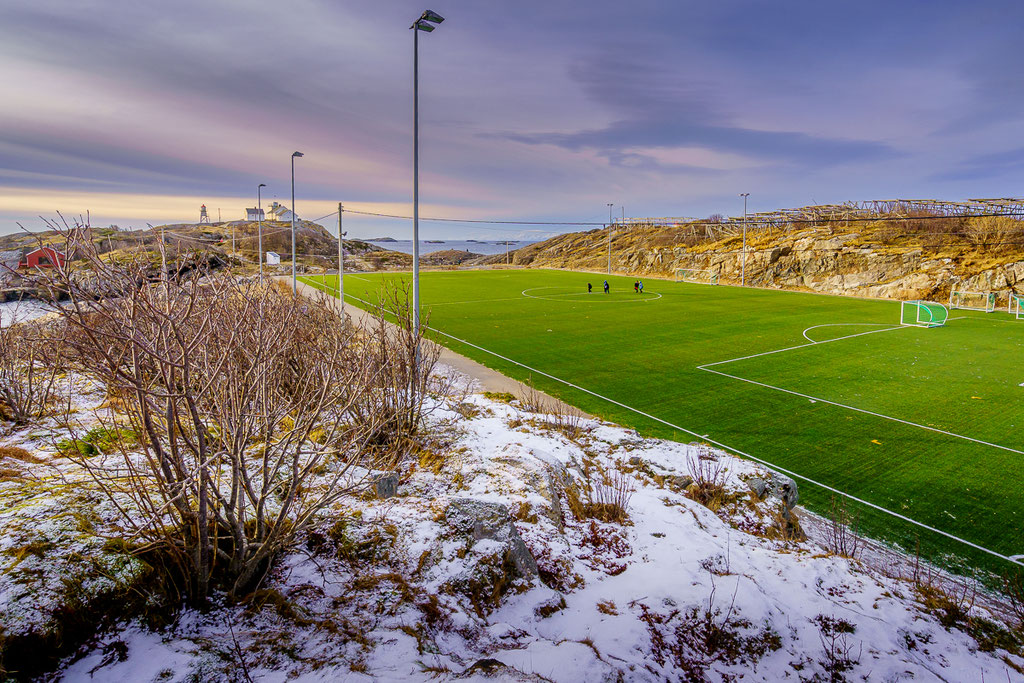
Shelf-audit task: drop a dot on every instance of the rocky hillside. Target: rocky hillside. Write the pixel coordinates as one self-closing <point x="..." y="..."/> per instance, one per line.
<point x="230" y="244"/>
<point x="897" y="259"/>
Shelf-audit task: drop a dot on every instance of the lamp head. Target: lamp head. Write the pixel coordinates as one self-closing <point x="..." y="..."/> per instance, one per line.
<point x="262" y="185"/>
<point x="297" y="154"/>
<point x="424" y="22"/>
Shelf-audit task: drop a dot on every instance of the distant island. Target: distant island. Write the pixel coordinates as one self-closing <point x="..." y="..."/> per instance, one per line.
<point x="382" y="239"/>
<point x="434" y="241"/>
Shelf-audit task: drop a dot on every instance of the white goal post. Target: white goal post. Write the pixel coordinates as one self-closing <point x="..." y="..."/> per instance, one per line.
<point x="923" y="314"/>
<point x="972" y="301"/>
<point x="703" y="277"/>
<point x="1017" y="306"/>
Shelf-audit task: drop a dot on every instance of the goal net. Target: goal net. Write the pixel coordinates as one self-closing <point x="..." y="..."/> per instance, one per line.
<point x="1017" y="306"/>
<point x="923" y="314"/>
<point x="703" y="277"/>
<point x="972" y="301"/>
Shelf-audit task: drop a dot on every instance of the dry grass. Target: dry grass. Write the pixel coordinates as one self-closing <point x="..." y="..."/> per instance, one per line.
<point x="16" y="453"/>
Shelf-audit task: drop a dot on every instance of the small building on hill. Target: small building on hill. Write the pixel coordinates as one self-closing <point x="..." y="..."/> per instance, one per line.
<point x="273" y="258"/>
<point x="254" y="214"/>
<point x="44" y="257"/>
<point x="279" y="212"/>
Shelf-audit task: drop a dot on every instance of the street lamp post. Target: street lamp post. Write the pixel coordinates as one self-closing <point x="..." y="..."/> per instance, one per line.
<point x="610" y="238"/>
<point x="426" y="24"/>
<point x="743" y="275"/>
<point x="259" y="224"/>
<point x="295" y="282"/>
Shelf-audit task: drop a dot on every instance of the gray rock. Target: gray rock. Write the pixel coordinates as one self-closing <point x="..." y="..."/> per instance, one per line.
<point x="678" y="482"/>
<point x="480" y="520"/>
<point x="758" y="486"/>
<point x="386" y="485"/>
<point x="785" y="488"/>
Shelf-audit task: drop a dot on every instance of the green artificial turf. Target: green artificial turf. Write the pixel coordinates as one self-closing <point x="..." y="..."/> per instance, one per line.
<point x="646" y="351"/>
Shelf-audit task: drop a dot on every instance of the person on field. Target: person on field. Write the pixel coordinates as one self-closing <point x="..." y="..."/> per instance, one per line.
<point x="641" y="283"/>
<point x="636" y="285"/>
<point x="605" y="286"/>
<point x="590" y="288"/>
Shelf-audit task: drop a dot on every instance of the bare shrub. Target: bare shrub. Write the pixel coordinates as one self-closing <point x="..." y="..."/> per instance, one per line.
<point x="603" y="496"/>
<point x="401" y="373"/>
<point x="569" y="421"/>
<point x="1013" y="589"/>
<point x="29" y="368"/>
<point x="838" y="656"/>
<point x="531" y="400"/>
<point x="841" y="536"/>
<point x="610" y="496"/>
<point x="709" y="477"/>
<point x="695" y="639"/>
<point x="239" y="397"/>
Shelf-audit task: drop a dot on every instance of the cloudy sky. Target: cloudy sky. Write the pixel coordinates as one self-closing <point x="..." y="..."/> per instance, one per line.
<point x="534" y="110"/>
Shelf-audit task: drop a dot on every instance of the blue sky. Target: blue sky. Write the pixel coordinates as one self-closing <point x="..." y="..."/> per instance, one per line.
<point x="535" y="110"/>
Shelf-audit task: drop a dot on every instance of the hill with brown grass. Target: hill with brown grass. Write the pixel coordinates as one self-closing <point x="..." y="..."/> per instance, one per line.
<point x="886" y="256"/>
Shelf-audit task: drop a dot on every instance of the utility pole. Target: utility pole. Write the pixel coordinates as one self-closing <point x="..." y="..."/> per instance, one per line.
<point x="259" y="224"/>
<point x="341" y="261"/>
<point x="743" y="275"/>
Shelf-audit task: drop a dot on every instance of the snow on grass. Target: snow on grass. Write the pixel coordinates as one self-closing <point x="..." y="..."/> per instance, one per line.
<point x="388" y="590"/>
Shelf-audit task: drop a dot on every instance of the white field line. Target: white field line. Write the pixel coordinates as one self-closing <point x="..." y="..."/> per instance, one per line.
<point x="814" y="327"/>
<point x="798" y="346"/>
<point x="707" y="367"/>
<point x="725" y="447"/>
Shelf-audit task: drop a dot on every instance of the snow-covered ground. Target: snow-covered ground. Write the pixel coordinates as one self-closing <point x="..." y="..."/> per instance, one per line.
<point x="436" y="582"/>
<point x="20" y="311"/>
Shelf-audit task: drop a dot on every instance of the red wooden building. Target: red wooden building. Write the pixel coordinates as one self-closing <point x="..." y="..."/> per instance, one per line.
<point x="43" y="257"/>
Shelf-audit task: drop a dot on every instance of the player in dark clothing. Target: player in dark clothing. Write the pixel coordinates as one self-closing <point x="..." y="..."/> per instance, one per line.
<point x="605" y="286"/>
<point x="590" y="288"/>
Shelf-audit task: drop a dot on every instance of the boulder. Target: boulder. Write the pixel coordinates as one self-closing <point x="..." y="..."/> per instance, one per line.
<point x="758" y="486"/>
<point x="479" y="520"/>
<point x="386" y="485"/>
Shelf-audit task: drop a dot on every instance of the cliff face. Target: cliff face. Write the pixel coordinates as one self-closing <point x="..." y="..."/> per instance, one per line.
<point x="869" y="260"/>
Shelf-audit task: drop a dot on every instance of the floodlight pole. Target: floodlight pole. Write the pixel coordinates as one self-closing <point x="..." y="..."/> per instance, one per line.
<point x="743" y="275"/>
<point x="259" y="224"/>
<point x="610" y="238"/>
<point x="416" y="176"/>
<point x="341" y="262"/>
<point x="295" y="282"/>
<point x="421" y="24"/>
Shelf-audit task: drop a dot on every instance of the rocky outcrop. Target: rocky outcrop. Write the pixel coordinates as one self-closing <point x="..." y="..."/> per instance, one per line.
<point x="847" y="261"/>
<point x="493" y="557"/>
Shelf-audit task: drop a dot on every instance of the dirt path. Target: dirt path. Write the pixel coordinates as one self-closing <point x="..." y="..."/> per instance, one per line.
<point x="486" y="378"/>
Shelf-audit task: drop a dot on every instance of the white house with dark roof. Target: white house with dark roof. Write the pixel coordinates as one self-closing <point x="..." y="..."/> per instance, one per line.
<point x="279" y="212"/>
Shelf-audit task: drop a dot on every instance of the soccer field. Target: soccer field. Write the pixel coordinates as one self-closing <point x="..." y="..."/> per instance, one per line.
<point x="926" y="423"/>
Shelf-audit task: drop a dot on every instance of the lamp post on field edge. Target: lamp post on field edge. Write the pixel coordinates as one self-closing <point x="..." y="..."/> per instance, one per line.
<point x="743" y="275"/>
<point x="295" y="282"/>
<point x="259" y="224"/>
<point x="610" y="238"/>
<point x="426" y="24"/>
